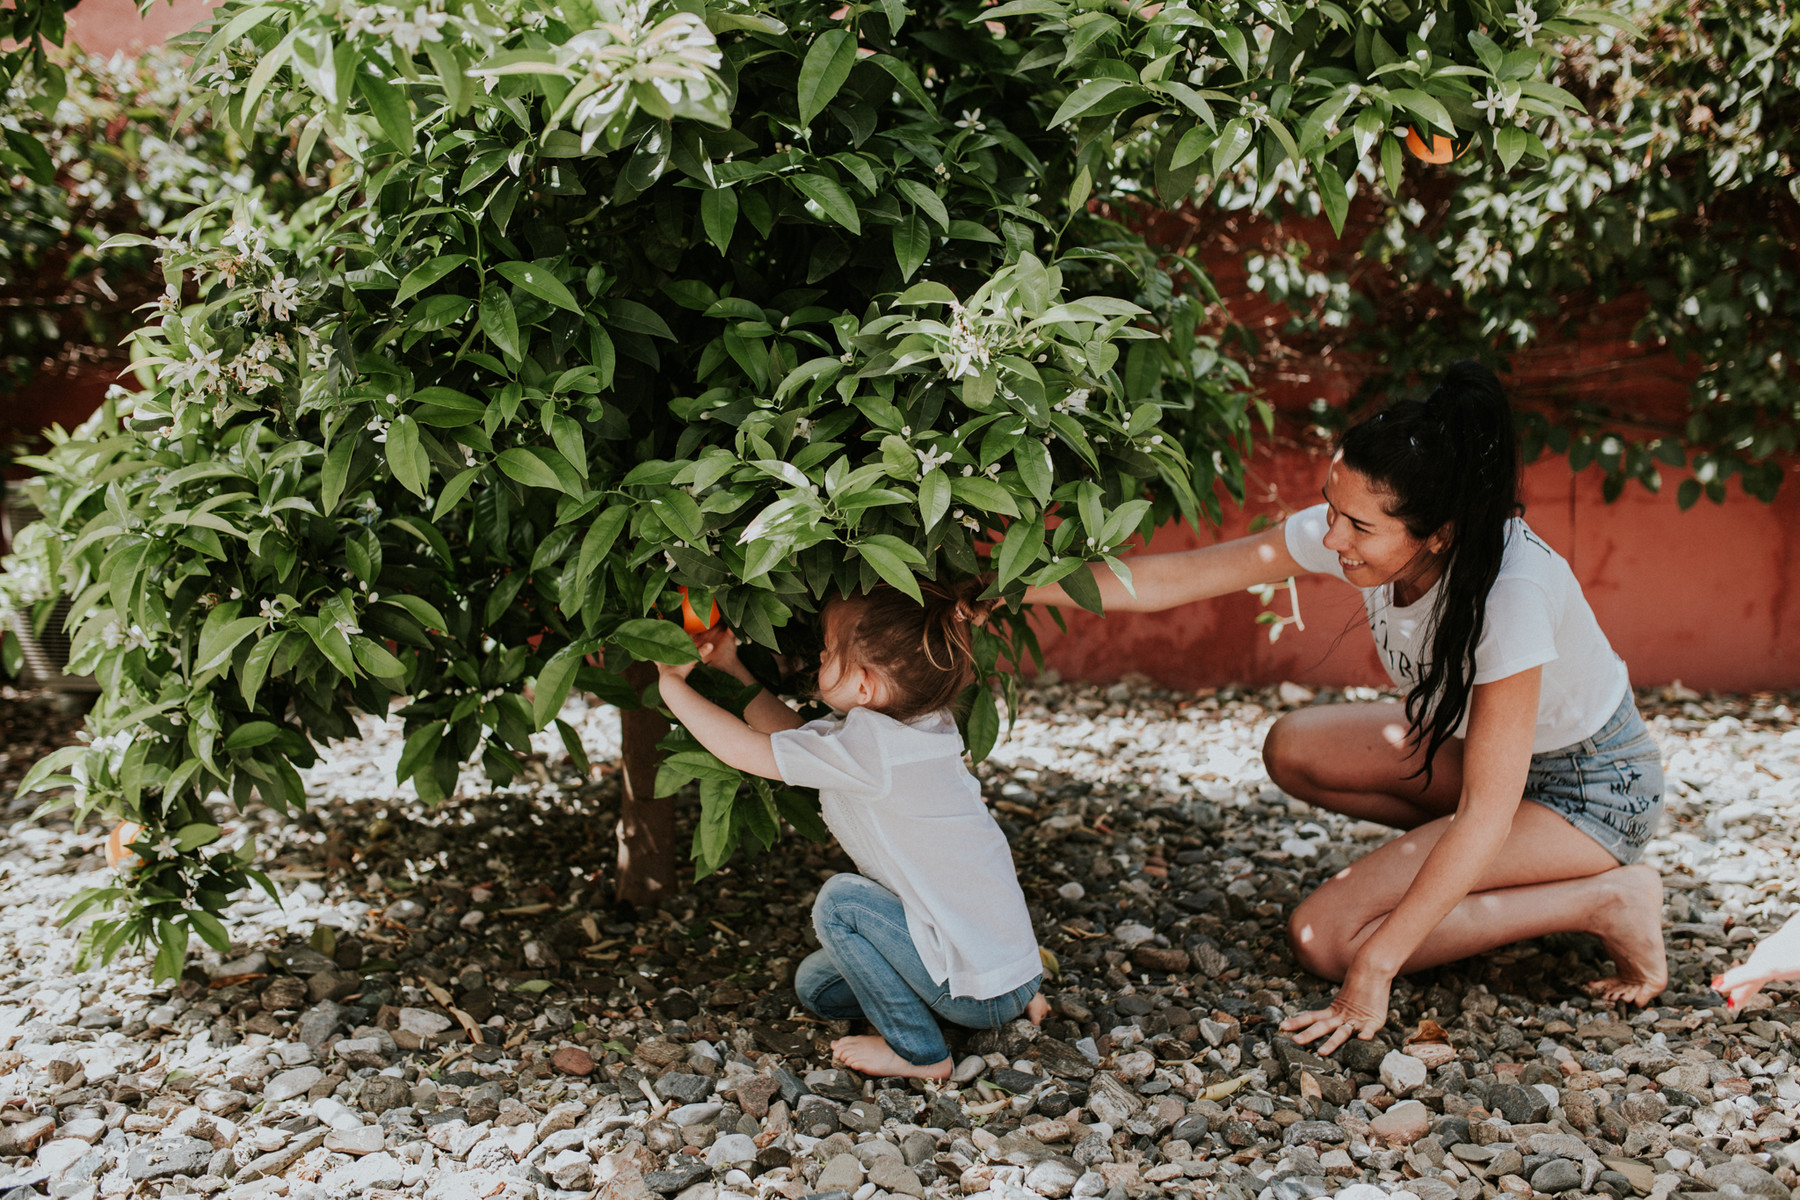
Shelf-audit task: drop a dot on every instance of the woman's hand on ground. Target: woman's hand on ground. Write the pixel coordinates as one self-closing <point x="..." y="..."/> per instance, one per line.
<point x="1360" y="1008"/>
<point x="1777" y="957"/>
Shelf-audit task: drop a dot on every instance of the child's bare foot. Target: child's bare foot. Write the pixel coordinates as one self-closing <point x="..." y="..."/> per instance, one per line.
<point x="871" y="1055"/>
<point x="1037" y="1010"/>
<point x="1629" y="923"/>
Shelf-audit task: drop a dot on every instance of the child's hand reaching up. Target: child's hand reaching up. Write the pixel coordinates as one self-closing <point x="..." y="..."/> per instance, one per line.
<point x="718" y="648"/>
<point x="1778" y="957"/>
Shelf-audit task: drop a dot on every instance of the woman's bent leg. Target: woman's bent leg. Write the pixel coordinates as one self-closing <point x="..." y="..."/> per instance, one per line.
<point x="1356" y="759"/>
<point x="1548" y="878"/>
<point x="862" y="927"/>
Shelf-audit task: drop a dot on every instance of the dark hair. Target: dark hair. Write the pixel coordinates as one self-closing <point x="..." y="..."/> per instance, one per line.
<point x="925" y="653"/>
<point x="1449" y="463"/>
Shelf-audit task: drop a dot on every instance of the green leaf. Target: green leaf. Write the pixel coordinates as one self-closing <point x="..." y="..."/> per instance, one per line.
<point x="718" y="215"/>
<point x="12" y="653"/>
<point x="572" y="743"/>
<point x="217" y="641"/>
<point x="1085" y="97"/>
<point x="1233" y="141"/>
<point x="983" y="724"/>
<point x="1332" y="196"/>
<point x="1019" y="549"/>
<point x="499" y="321"/>
<point x="655" y="641"/>
<point x="192" y="837"/>
<point x="925" y="200"/>
<point x="426" y="274"/>
<point x="554" y="682"/>
<point x="633" y="317"/>
<point x="600" y="538"/>
<point x="388" y="103"/>
<point x="528" y="465"/>
<point x="1510" y="143"/>
<point x="1425" y="105"/>
<point x="252" y="734"/>
<point x="912" y="241"/>
<point x="376" y="660"/>
<point x="934" y="498"/>
<point x="406" y="456"/>
<point x="540" y="282"/>
<point x="831" y="198"/>
<point x="891" y="567"/>
<point x="336" y="471"/>
<point x="827" y="66"/>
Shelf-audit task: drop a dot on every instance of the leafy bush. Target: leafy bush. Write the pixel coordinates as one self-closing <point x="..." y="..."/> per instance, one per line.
<point x="1676" y="191"/>
<point x="91" y="152"/>
<point x="746" y="299"/>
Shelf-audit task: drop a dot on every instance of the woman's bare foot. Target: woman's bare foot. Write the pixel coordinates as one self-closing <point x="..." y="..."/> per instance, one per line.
<point x="1037" y="1010"/>
<point x="871" y="1055"/>
<point x="1629" y="923"/>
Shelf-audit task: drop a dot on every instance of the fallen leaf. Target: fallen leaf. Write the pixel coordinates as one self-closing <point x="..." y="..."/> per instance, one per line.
<point x="1219" y="1091"/>
<point x="1429" y="1031"/>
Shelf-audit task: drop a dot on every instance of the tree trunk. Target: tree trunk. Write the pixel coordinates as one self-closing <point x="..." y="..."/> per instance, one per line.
<point x="646" y="821"/>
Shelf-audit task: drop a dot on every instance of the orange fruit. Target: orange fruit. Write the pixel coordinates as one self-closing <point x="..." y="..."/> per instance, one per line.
<point x="1441" y="150"/>
<point x="123" y="834"/>
<point x="690" y="620"/>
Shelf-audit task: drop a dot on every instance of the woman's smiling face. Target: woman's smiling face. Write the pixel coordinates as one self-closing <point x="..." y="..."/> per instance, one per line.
<point x="1373" y="547"/>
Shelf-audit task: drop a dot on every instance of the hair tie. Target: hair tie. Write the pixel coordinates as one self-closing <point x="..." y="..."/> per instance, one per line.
<point x="963" y="611"/>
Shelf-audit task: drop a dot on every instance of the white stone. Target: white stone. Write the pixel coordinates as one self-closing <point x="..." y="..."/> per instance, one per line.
<point x="1133" y="934"/>
<point x="336" y="1114"/>
<point x="289" y="1084"/>
<point x="364" y="1139"/>
<point x="58" y="1154"/>
<point x="729" y="1150"/>
<point x="366" y="1174"/>
<point x="695" y="1114"/>
<point x="1071" y="891"/>
<point x="1402" y="1073"/>
<point x="570" y="1169"/>
<point x="423" y="1022"/>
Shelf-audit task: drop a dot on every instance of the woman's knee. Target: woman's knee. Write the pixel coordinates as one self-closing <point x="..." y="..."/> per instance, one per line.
<point x="1318" y="944"/>
<point x="1283" y="752"/>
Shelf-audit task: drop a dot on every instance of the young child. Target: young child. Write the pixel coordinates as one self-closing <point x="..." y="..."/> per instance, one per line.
<point x="935" y="925"/>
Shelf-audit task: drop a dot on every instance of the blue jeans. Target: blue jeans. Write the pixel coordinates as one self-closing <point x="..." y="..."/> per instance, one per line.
<point x="869" y="968"/>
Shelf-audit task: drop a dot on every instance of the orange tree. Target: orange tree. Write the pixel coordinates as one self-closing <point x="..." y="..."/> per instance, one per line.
<point x="758" y="299"/>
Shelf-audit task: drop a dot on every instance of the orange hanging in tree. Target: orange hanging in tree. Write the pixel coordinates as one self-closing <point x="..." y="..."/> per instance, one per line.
<point x="1441" y="150"/>
<point x="123" y="834"/>
<point x="690" y="620"/>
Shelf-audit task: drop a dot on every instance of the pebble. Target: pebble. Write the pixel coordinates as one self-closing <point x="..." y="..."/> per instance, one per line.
<point x="1172" y="968"/>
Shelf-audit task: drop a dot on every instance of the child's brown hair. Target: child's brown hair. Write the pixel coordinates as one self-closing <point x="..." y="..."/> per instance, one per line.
<point x="924" y="652"/>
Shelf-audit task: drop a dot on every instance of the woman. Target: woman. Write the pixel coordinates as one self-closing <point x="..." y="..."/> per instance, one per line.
<point x="1512" y="694"/>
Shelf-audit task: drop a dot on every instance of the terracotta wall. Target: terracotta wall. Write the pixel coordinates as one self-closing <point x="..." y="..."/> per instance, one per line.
<point x="103" y="26"/>
<point x="1710" y="596"/>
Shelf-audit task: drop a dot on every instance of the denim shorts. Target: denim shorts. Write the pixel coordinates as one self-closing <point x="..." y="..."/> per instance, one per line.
<point x="1609" y="786"/>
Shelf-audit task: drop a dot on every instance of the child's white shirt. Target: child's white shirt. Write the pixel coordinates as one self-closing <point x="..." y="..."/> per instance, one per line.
<point x="906" y="810"/>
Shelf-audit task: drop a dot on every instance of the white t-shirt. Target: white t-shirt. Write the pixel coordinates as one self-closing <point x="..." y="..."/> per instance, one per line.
<point x="1536" y="616"/>
<point x="904" y="807"/>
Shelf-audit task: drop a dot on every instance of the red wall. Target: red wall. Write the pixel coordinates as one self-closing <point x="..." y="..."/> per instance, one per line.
<point x="1710" y="596"/>
<point x="103" y="26"/>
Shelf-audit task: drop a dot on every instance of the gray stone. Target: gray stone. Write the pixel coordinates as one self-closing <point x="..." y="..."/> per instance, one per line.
<point x="1557" y="1175"/>
<point x="1519" y="1105"/>
<point x="916" y="1147"/>
<point x="364" y="1051"/>
<point x="384" y="1092"/>
<point x="1060" y="1059"/>
<point x="843" y="1173"/>
<point x="681" y="1174"/>
<point x="893" y="1176"/>
<point x="319" y="1022"/>
<point x="862" y="1116"/>
<point x="833" y="1085"/>
<point x="684" y="1089"/>
<point x="1748" y="1176"/>
<point x="1641" y="1176"/>
<point x="1316" y="1133"/>
<point x="166" y="1157"/>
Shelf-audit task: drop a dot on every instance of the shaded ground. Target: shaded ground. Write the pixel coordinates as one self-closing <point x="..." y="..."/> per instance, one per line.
<point x="1160" y="865"/>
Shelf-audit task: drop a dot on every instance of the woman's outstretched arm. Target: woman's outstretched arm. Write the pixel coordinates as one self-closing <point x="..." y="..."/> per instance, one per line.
<point x="1166" y="580"/>
<point x="1496" y="759"/>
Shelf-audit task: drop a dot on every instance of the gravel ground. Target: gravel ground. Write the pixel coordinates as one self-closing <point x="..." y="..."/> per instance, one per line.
<point x="445" y="1006"/>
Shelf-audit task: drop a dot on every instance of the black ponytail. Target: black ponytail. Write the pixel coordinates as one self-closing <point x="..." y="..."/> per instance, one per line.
<point x="1450" y="464"/>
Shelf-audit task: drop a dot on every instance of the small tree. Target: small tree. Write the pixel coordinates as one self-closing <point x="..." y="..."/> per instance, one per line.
<point x="743" y="298"/>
